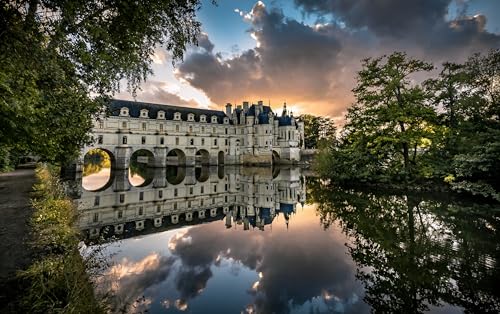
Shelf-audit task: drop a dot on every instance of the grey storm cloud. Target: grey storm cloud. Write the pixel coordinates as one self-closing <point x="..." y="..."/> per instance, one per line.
<point x="315" y="66"/>
<point x="155" y="92"/>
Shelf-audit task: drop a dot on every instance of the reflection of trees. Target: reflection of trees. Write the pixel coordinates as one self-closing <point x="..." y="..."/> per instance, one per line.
<point x="142" y="169"/>
<point x="414" y="251"/>
<point x="94" y="161"/>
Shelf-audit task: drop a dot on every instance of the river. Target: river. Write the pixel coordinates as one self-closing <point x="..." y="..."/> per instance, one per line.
<point x="277" y="240"/>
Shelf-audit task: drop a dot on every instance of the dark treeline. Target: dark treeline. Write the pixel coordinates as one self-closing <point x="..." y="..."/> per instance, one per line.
<point x="416" y="251"/>
<point x="442" y="131"/>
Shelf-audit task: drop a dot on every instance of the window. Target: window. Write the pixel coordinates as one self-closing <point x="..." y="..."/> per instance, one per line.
<point x="120" y="214"/>
<point x="161" y="114"/>
<point x="202" y="189"/>
<point x="177" y="128"/>
<point x="175" y="192"/>
<point x="122" y="198"/>
<point x="144" y="126"/>
<point x="203" y="118"/>
<point x="158" y="208"/>
<point x="143" y="140"/>
<point x="177" y="116"/>
<point x="191" y="190"/>
<point x="191" y="141"/>
<point x="213" y="130"/>
<point x="99" y="139"/>
<point x="124" y="125"/>
<point x="214" y="119"/>
<point x="141" y="196"/>
<point x="213" y="200"/>
<point x="176" y="141"/>
<point x="141" y="210"/>
<point x="101" y="124"/>
<point x="162" y="141"/>
<point x="160" y="193"/>
<point x="161" y="126"/>
<point x="215" y="142"/>
<point x="225" y="187"/>
<point x="225" y="130"/>
<point x="225" y="198"/>
<point x="190" y="128"/>
<point x="190" y="117"/>
<point x="175" y="206"/>
<point x="201" y="202"/>
<point x="96" y="217"/>
<point x="189" y="204"/>
<point x="202" y="141"/>
<point x="124" y="140"/>
<point x="96" y="201"/>
<point x="202" y="129"/>
<point x="227" y="142"/>
<point x="215" y="188"/>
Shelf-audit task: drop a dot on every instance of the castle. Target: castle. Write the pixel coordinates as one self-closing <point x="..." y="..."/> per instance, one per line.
<point x="247" y="134"/>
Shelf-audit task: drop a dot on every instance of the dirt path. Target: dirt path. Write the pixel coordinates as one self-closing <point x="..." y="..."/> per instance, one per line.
<point x="15" y="211"/>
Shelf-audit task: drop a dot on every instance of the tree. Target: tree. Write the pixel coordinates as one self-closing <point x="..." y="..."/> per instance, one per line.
<point x="60" y="60"/>
<point x="318" y="131"/>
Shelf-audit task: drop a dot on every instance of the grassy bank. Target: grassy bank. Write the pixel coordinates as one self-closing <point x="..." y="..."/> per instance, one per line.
<point x="57" y="281"/>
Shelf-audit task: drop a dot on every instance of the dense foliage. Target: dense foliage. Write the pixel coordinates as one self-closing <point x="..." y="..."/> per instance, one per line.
<point x="59" y="60"/>
<point x="442" y="130"/>
<point x="319" y="131"/>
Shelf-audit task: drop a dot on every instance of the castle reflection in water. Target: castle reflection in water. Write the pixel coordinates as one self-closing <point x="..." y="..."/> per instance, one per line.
<point x="175" y="196"/>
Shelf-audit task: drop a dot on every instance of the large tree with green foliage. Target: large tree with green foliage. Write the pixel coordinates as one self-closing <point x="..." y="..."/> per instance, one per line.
<point x="319" y="131"/>
<point x="59" y="60"/>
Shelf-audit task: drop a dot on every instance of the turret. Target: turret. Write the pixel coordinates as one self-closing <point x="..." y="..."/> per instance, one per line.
<point x="228" y="109"/>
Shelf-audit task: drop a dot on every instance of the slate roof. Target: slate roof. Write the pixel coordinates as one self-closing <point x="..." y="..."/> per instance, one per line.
<point x="284" y="120"/>
<point x="135" y="108"/>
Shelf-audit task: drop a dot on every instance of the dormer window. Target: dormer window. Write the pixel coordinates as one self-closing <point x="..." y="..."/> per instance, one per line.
<point x="161" y="114"/>
<point x="144" y="113"/>
<point x="124" y="112"/>
<point x="214" y="119"/>
<point x="203" y="118"/>
<point x="226" y="120"/>
<point x="191" y="117"/>
<point x="177" y="116"/>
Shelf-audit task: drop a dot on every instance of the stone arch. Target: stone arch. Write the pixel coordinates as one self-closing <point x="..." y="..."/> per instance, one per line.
<point x="98" y="169"/>
<point x="176" y="157"/>
<point x="220" y="158"/>
<point x="276" y="157"/>
<point x="202" y="157"/>
<point x="175" y="175"/>
<point x="141" y="165"/>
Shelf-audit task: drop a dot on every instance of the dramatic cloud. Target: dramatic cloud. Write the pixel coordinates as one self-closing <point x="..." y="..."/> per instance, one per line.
<point x="314" y="66"/>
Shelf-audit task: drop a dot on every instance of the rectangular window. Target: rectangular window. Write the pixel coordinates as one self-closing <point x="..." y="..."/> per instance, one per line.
<point x="101" y="124"/>
<point x="96" y="217"/>
<point x="124" y="140"/>
<point x="144" y="126"/>
<point x="175" y="192"/>
<point x="191" y="141"/>
<point x="161" y="126"/>
<point x="177" y="128"/>
<point x="176" y="141"/>
<point x="160" y="193"/>
<point x="97" y="200"/>
<point x="215" y="188"/>
<point x="202" y="129"/>
<point x="225" y="187"/>
<point x="191" y="190"/>
<point x="162" y="141"/>
<point x="175" y="206"/>
<point x="141" y="196"/>
<point x="120" y="214"/>
<point x="226" y="130"/>
<point x="141" y="210"/>
<point x="124" y="125"/>
<point x="225" y="198"/>
<point x="99" y="139"/>
<point x="201" y="202"/>
<point x="158" y="208"/>
<point x="190" y="128"/>
<point x="213" y="130"/>
<point x="189" y="204"/>
<point x="202" y="141"/>
<point x="143" y="140"/>
<point x="202" y="189"/>
<point x="227" y="142"/>
<point x="122" y="198"/>
<point x="215" y="142"/>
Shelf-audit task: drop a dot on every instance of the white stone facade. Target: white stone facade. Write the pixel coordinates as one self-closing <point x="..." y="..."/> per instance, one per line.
<point x="249" y="134"/>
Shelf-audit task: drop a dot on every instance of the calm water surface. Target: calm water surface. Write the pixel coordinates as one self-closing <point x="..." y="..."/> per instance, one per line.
<point x="262" y="240"/>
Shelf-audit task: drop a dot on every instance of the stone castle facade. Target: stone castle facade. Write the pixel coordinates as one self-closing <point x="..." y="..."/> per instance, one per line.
<point x="246" y="134"/>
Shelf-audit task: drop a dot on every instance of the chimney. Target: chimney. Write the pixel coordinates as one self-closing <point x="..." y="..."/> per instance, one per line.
<point x="260" y="103"/>
<point x="245" y="106"/>
<point x="228" y="109"/>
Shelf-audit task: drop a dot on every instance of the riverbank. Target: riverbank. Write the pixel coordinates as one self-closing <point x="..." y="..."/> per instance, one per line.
<point x="57" y="279"/>
<point x="16" y="211"/>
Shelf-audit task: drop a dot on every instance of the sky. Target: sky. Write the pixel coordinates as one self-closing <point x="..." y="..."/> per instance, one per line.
<point x="307" y="52"/>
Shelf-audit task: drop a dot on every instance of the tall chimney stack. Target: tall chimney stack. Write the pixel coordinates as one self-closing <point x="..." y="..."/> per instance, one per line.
<point x="228" y="109"/>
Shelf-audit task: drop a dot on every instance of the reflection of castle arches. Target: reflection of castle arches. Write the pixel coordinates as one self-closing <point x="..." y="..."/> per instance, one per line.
<point x="176" y="157"/>
<point x="202" y="174"/>
<point x="202" y="157"/>
<point x="98" y="163"/>
<point x="140" y="169"/>
<point x="175" y="175"/>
